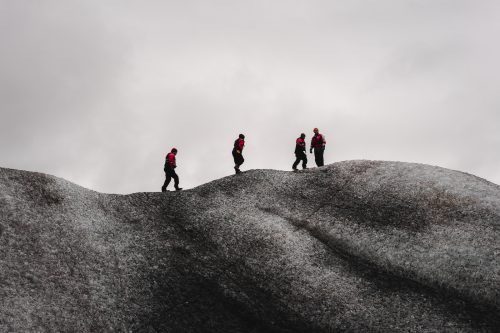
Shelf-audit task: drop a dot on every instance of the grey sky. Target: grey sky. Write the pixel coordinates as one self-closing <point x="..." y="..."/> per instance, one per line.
<point x="98" y="91"/>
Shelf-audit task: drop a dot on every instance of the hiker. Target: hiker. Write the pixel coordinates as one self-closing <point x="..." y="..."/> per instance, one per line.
<point x="237" y="152"/>
<point x="318" y="143"/>
<point x="300" y="152"/>
<point x="169" y="169"/>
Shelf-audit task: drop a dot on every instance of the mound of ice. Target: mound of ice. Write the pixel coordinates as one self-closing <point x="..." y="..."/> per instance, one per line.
<point x="353" y="246"/>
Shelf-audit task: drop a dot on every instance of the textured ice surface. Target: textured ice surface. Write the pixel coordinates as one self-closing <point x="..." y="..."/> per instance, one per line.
<point x="353" y="246"/>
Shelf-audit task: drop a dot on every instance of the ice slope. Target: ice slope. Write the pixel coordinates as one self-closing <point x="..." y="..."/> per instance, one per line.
<point x="367" y="246"/>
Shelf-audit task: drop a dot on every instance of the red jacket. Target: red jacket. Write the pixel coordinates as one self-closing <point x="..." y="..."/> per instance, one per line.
<point x="170" y="161"/>
<point x="300" y="145"/>
<point x="239" y="144"/>
<point x="318" y="141"/>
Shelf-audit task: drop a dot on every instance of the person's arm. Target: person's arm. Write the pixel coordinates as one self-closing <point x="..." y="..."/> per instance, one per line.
<point x="299" y="143"/>
<point x="171" y="161"/>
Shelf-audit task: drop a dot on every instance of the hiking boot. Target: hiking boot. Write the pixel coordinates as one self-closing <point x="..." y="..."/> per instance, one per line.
<point x="178" y="188"/>
<point x="295" y="169"/>
<point x="163" y="189"/>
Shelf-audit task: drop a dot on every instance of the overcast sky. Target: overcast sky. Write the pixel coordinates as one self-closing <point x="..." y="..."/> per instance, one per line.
<point x="97" y="92"/>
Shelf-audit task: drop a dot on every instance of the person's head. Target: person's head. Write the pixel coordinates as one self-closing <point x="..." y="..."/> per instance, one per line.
<point x="302" y="135"/>
<point x="174" y="150"/>
<point x="241" y="136"/>
<point x="316" y="130"/>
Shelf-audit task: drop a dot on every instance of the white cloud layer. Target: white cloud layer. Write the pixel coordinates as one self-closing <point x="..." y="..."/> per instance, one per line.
<point x="98" y="91"/>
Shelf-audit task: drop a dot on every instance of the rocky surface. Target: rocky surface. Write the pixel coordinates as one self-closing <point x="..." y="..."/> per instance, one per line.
<point x="359" y="246"/>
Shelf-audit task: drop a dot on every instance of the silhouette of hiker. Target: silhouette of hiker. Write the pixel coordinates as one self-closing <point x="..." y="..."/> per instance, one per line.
<point x="237" y="152"/>
<point x="300" y="152"/>
<point x="318" y="144"/>
<point x="169" y="169"/>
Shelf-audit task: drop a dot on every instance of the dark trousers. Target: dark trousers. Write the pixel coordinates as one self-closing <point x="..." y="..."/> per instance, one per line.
<point x="238" y="158"/>
<point x="301" y="156"/>
<point x="318" y="156"/>
<point x="169" y="174"/>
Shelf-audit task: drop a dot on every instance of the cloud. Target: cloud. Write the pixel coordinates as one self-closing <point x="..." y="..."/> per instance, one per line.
<point x="98" y="92"/>
<point x="59" y="67"/>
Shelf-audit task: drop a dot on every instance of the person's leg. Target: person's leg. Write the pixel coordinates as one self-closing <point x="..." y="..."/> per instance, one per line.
<point x="176" y="180"/>
<point x="298" y="157"/>
<point x="321" y="153"/>
<point x="167" y="181"/>
<point x="317" y="157"/>
<point x="239" y="162"/>
<point x="236" y="159"/>
<point x="304" y="161"/>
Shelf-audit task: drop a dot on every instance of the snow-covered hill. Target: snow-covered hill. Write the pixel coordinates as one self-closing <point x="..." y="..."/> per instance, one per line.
<point x="354" y="246"/>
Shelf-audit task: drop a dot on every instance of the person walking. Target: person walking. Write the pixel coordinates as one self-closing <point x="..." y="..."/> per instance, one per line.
<point x="300" y="152"/>
<point x="318" y="143"/>
<point x="237" y="152"/>
<point x="169" y="168"/>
